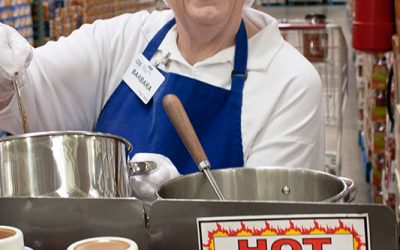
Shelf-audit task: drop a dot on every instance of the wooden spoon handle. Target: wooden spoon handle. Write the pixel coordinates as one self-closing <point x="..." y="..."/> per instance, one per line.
<point x="177" y="114"/>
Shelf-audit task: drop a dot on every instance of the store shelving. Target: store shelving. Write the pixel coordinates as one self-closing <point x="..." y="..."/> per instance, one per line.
<point x="301" y="2"/>
<point x="42" y="20"/>
<point x="18" y="15"/>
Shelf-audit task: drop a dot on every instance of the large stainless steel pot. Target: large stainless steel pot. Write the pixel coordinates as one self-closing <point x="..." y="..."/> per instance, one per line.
<point x="64" y="164"/>
<point x="262" y="184"/>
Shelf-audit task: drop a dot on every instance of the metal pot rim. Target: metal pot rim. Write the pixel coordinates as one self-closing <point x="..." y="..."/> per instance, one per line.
<point x="291" y="169"/>
<point x="335" y="198"/>
<point x="68" y="132"/>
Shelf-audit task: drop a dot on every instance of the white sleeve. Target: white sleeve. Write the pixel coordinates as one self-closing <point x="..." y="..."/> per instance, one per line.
<point x="67" y="83"/>
<point x="293" y="136"/>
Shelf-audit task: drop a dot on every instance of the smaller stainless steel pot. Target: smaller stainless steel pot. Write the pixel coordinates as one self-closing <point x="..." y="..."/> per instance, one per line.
<point x="66" y="164"/>
<point x="262" y="184"/>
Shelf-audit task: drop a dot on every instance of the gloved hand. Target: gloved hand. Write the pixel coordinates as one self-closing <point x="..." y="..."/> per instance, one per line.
<point x="16" y="55"/>
<point x="144" y="186"/>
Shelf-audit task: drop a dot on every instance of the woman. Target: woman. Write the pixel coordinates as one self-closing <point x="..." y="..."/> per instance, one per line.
<point x="253" y="99"/>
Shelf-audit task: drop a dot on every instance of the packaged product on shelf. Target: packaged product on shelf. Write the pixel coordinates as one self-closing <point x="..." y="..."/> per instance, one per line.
<point x="378" y="162"/>
<point x="360" y="116"/>
<point x="379" y="97"/>
<point x="388" y="182"/>
<point x="378" y="105"/>
<point x="389" y="186"/>
<point x="396" y="67"/>
<point x="378" y="165"/>
<point x="379" y="73"/>
<point x="361" y="90"/>
<point x="378" y="138"/>
<point x="376" y="195"/>
<point x="368" y="134"/>
<point x="397" y="135"/>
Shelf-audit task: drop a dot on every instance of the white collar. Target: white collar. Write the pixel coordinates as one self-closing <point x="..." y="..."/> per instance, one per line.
<point x="263" y="46"/>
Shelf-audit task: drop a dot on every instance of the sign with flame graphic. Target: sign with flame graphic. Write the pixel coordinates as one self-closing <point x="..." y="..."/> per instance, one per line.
<point x="286" y="232"/>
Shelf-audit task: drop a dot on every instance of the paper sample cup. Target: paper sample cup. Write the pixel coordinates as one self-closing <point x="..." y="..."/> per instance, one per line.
<point x="11" y="238"/>
<point x="104" y="243"/>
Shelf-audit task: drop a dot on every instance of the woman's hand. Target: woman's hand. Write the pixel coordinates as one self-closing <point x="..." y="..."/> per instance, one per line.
<point x="16" y="55"/>
<point x="144" y="186"/>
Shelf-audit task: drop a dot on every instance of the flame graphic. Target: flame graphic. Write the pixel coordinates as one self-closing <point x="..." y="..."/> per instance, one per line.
<point x="269" y="230"/>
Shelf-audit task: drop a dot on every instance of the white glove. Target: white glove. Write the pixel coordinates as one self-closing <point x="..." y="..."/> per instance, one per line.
<point x="16" y="55"/>
<point x="144" y="186"/>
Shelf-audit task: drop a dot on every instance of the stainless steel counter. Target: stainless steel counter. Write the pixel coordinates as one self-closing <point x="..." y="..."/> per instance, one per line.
<point x="55" y="223"/>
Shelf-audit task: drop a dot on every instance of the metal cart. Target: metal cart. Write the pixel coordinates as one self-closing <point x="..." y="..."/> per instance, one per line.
<point x="324" y="45"/>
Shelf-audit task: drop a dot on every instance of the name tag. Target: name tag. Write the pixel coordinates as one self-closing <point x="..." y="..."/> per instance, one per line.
<point x="143" y="78"/>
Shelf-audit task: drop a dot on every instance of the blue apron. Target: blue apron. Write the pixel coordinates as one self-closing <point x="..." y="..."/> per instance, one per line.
<point x="214" y="112"/>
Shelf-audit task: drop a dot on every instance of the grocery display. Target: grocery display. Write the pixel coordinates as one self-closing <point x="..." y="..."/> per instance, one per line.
<point x="67" y="15"/>
<point x="17" y="13"/>
<point x="301" y="2"/>
<point x="43" y="20"/>
<point x="376" y="124"/>
<point x="377" y="74"/>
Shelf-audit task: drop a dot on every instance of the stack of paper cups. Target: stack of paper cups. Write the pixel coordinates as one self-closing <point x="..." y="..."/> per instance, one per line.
<point x="11" y="238"/>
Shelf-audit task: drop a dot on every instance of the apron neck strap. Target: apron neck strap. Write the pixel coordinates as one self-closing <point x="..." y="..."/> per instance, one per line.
<point x="239" y="73"/>
<point x="152" y="47"/>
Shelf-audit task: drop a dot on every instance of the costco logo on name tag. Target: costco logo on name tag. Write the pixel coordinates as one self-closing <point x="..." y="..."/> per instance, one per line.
<point x="143" y="78"/>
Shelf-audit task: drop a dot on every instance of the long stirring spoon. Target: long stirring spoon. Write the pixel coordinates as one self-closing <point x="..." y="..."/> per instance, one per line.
<point x="22" y="113"/>
<point x="177" y="114"/>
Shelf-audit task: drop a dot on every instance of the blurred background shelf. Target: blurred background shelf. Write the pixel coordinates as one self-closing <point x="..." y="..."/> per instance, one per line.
<point x="301" y="3"/>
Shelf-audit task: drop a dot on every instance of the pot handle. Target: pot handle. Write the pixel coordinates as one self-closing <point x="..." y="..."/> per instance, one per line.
<point x="351" y="190"/>
<point x="141" y="167"/>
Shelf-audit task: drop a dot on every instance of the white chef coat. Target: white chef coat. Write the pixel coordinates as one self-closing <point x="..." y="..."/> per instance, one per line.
<point x="69" y="82"/>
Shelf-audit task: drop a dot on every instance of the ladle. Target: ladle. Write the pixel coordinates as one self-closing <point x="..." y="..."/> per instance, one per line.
<point x="177" y="114"/>
<point x="22" y="113"/>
